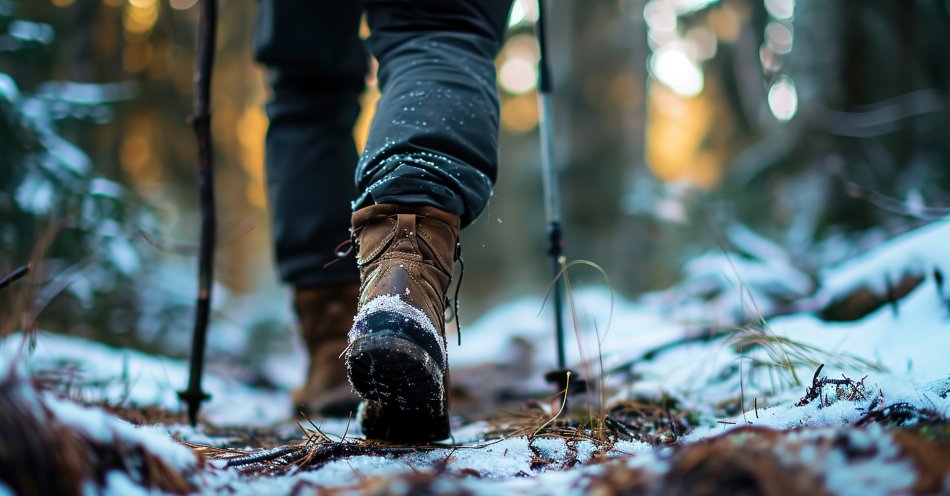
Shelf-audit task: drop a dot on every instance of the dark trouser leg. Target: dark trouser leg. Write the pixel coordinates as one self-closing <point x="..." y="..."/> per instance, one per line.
<point x="434" y="139"/>
<point x="316" y="67"/>
<point x="429" y="167"/>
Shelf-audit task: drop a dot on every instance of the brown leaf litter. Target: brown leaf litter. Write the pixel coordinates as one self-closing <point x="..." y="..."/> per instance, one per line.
<point x="40" y="454"/>
<point x="760" y="461"/>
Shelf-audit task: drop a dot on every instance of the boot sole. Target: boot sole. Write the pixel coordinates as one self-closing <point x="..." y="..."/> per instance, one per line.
<point x="403" y="386"/>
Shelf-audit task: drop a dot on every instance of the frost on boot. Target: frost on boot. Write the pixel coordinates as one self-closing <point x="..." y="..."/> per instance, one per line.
<point x="396" y="357"/>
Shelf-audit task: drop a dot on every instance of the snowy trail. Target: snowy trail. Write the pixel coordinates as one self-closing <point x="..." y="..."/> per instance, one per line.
<point x="899" y="358"/>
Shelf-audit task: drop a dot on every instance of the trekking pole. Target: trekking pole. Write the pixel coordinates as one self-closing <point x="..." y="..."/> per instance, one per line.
<point x="552" y="204"/>
<point x="201" y="122"/>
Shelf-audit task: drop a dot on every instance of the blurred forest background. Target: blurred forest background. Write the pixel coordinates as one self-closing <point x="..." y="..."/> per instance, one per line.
<point x="796" y="130"/>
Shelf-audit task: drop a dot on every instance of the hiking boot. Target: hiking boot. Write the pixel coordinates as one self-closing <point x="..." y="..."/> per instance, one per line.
<point x="396" y="356"/>
<point x="325" y="314"/>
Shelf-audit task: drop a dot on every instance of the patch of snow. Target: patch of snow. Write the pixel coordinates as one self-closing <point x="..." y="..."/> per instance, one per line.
<point x="785" y="415"/>
<point x="508" y="458"/>
<point x="129" y="377"/>
<point x="907" y="344"/>
<point x="634" y="327"/>
<point x="917" y="252"/>
<point x="104" y="427"/>
<point x="877" y="468"/>
<point x="119" y="483"/>
<point x="8" y="88"/>
<point x="621" y="448"/>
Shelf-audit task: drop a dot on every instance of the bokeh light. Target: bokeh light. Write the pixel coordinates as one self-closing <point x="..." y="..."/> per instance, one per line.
<point x="783" y="98"/>
<point x="701" y="43"/>
<point x="780" y="9"/>
<point x="249" y="131"/>
<point x="140" y="17"/>
<point x="671" y="66"/>
<point x="778" y="37"/>
<point x="182" y="4"/>
<point x="518" y="75"/>
<point x="523" y="12"/>
<point x="518" y="72"/>
<point x="661" y="22"/>
<point x="687" y="6"/>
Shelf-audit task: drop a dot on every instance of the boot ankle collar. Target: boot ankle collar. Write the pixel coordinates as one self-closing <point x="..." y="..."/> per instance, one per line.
<point x="372" y="213"/>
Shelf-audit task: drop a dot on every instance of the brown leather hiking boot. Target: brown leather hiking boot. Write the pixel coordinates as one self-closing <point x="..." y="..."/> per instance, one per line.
<point x="326" y="314"/>
<point x="396" y="357"/>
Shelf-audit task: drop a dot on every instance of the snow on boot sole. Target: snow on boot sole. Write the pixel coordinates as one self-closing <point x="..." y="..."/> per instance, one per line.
<point x="403" y="386"/>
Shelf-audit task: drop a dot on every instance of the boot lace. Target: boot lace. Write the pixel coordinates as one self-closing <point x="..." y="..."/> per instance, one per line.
<point x="345" y="247"/>
<point x="454" y="306"/>
<point x="340" y="252"/>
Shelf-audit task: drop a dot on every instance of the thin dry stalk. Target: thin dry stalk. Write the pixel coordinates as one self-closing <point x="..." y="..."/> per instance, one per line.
<point x="596" y="419"/>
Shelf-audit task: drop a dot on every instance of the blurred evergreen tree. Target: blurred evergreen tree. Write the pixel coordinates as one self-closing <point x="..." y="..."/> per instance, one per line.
<point x="866" y="152"/>
<point x="57" y="209"/>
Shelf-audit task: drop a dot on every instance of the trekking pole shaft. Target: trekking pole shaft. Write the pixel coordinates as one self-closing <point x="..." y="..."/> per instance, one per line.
<point x="555" y="242"/>
<point x="201" y="122"/>
<point x="552" y="200"/>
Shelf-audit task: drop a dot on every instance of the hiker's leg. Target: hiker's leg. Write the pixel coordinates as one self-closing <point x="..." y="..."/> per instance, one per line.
<point x="316" y="65"/>
<point x="428" y="168"/>
<point x="434" y="139"/>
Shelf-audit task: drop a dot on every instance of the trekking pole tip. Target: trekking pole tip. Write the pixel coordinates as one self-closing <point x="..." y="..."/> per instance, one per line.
<point x="193" y="400"/>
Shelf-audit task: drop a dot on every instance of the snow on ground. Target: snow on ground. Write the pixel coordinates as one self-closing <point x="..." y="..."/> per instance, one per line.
<point x="633" y="327"/>
<point x="914" y="343"/>
<point x="902" y="353"/>
<point x="59" y="432"/>
<point x="123" y="377"/>
<point x="503" y="467"/>
<point x="918" y="252"/>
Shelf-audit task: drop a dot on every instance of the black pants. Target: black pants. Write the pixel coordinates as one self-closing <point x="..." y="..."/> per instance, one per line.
<point x="434" y="138"/>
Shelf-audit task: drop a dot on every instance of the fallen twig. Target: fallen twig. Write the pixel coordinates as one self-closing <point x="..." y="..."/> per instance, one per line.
<point x="263" y="456"/>
<point x="813" y="391"/>
<point x="845" y="389"/>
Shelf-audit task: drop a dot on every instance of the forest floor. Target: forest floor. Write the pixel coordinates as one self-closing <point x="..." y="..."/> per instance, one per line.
<point x="844" y="389"/>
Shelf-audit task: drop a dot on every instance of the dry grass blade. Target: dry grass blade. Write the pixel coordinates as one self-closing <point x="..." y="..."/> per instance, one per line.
<point x="316" y="430"/>
<point x="786" y="354"/>
<point x="563" y="395"/>
<point x="569" y="290"/>
<point x="646" y="422"/>
<point x="517" y="423"/>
